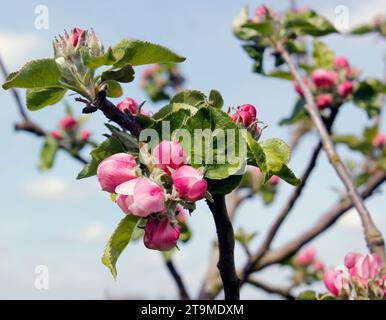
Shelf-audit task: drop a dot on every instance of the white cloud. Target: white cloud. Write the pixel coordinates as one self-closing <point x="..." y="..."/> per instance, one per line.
<point x="16" y="46"/>
<point x="95" y="232"/>
<point x="56" y="189"/>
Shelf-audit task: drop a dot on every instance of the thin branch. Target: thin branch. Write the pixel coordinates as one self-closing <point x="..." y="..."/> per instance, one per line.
<point x="291" y="201"/>
<point x="183" y="293"/>
<point x="325" y="222"/>
<point x="373" y="236"/>
<point x="284" y="292"/>
<point x="30" y="126"/>
<point x="211" y="280"/>
<point x="226" y="241"/>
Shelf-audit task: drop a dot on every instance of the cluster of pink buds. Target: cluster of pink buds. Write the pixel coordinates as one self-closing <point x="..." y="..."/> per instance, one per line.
<point x="69" y="130"/>
<point x="68" y="45"/>
<point x="359" y="278"/>
<point x="131" y="106"/>
<point x="307" y="259"/>
<point x="156" y="193"/>
<point x="245" y="115"/>
<point x="331" y="87"/>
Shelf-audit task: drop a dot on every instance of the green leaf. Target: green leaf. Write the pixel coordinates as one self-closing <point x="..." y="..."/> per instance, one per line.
<point x="263" y="28"/>
<point x="176" y="120"/>
<point x="107" y="148"/>
<point x="118" y="242"/>
<point x="193" y="98"/>
<point x="48" y="153"/>
<point x="215" y="99"/>
<point x="354" y="143"/>
<point x="40" y="98"/>
<point x="277" y="154"/>
<point x="307" y="295"/>
<point x="129" y="143"/>
<point x="238" y="26"/>
<point x="136" y="52"/>
<point x="224" y="186"/>
<point x="368" y="95"/>
<point x="281" y="74"/>
<point x="308" y="22"/>
<point x="173" y="107"/>
<point x="257" y="54"/>
<point x="369" y="133"/>
<point x="218" y="147"/>
<point x="257" y="153"/>
<point x="287" y="175"/>
<point x="95" y="62"/>
<point x="114" y="89"/>
<point x="294" y="46"/>
<point x="124" y="74"/>
<point x="40" y="73"/>
<point x="298" y="113"/>
<point x="323" y="56"/>
<point x="363" y="29"/>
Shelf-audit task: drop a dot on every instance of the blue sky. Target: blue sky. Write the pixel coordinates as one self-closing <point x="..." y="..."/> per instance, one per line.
<point x="51" y="219"/>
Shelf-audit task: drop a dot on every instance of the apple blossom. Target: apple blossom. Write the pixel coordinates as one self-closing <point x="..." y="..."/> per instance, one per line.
<point x="56" y="134"/>
<point x="345" y="88"/>
<point x="75" y="35"/>
<point x="323" y="101"/>
<point x="161" y="234"/>
<point x="380" y="140"/>
<point x="341" y="63"/>
<point x="169" y="154"/>
<point x="140" y="197"/>
<point x="115" y="170"/>
<point x="68" y="122"/>
<point x="336" y="280"/>
<point x="128" y="104"/>
<point x="306" y="257"/>
<point x="363" y="266"/>
<point x="85" y="135"/>
<point x="274" y="180"/>
<point x="318" y="266"/>
<point x="189" y="183"/>
<point x="246" y="114"/>
<point x="324" y="78"/>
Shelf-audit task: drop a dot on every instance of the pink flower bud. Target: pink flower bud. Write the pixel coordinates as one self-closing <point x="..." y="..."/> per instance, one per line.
<point x="67" y="123"/>
<point x="245" y="117"/>
<point x="318" y="266"/>
<point x="248" y="108"/>
<point x="115" y="170"/>
<point x="324" y="78"/>
<point x="297" y="86"/>
<point x="189" y="183"/>
<point x="345" y="88"/>
<point x="380" y="140"/>
<point x="261" y="11"/>
<point x="56" y="134"/>
<point x="341" y="63"/>
<point x="128" y="104"/>
<point x="274" y="180"/>
<point x="350" y="259"/>
<point x="323" y="101"/>
<point x="181" y="214"/>
<point x="169" y="154"/>
<point x="140" y="197"/>
<point x="85" y="135"/>
<point x="76" y="32"/>
<point x="352" y="73"/>
<point x="161" y="234"/>
<point x="336" y="280"/>
<point x="306" y="257"/>
<point x="367" y="266"/>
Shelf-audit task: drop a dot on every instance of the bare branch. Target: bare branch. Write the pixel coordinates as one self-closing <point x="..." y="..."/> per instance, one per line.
<point x="284" y="292"/>
<point x="183" y="293"/>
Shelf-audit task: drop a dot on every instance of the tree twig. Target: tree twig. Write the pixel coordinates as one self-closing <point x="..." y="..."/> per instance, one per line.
<point x="373" y="236"/>
<point x="183" y="293"/>
<point x="284" y="292"/>
<point x="226" y="243"/>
